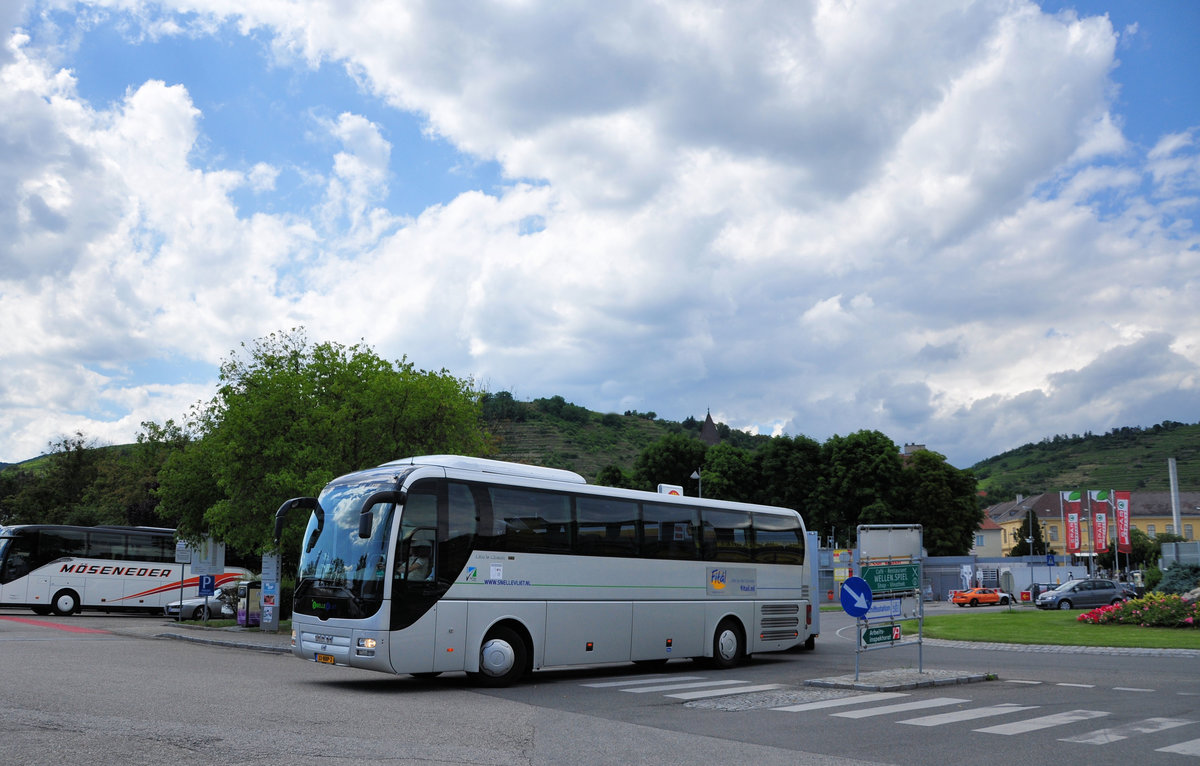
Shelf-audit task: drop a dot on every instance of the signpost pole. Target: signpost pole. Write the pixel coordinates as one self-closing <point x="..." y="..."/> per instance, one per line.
<point x="890" y="563"/>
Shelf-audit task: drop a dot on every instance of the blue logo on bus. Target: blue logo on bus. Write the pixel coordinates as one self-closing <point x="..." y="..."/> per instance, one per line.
<point x="472" y="574"/>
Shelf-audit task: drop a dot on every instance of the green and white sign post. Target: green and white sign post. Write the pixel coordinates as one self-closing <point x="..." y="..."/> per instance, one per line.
<point x="889" y="562"/>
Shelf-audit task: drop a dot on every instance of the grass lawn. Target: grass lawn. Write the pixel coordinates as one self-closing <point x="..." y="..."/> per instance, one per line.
<point x="1035" y="626"/>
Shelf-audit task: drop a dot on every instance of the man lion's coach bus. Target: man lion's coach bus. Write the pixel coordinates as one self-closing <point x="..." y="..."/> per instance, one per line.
<point x="433" y="564"/>
<point x="64" y="569"/>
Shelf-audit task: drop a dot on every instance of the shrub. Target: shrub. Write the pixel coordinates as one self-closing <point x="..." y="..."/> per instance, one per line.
<point x="1179" y="578"/>
<point x="1155" y="610"/>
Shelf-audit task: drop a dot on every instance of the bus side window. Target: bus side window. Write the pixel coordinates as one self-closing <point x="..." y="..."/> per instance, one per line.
<point x="778" y="539"/>
<point x="726" y="535"/>
<point x="456" y="538"/>
<point x="669" y="531"/>
<point x="606" y="527"/>
<point x="526" y="520"/>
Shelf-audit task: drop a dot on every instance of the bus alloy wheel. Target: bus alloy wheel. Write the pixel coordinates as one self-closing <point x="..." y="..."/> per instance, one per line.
<point x="502" y="658"/>
<point x="65" y="603"/>
<point x="728" y="646"/>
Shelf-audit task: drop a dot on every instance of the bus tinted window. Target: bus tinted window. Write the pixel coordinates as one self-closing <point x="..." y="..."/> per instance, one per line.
<point x="462" y="516"/>
<point x="59" y="543"/>
<point x="160" y="548"/>
<point x="669" y="531"/>
<point x="726" y="535"/>
<point x="525" y="520"/>
<point x="606" y="527"/>
<point x="106" y="545"/>
<point x="778" y="539"/>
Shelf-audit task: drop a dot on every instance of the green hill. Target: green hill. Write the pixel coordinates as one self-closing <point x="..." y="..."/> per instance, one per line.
<point x="555" y="433"/>
<point x="1124" y="458"/>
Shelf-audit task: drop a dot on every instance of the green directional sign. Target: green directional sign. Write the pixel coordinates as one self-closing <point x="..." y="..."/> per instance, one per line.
<point x="885" y="578"/>
<point x="881" y="634"/>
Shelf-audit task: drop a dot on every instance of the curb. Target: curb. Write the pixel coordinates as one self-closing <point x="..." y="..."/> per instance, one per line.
<point x="230" y="644"/>
<point x="899" y="680"/>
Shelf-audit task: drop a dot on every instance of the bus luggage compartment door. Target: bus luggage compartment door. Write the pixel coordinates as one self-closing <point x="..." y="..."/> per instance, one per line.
<point x="588" y="631"/>
<point x="449" y="645"/>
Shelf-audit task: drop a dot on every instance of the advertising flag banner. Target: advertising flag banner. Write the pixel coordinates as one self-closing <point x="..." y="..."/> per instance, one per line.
<point x="1098" y="502"/>
<point x="1124" y="542"/>
<point x="1070" y="502"/>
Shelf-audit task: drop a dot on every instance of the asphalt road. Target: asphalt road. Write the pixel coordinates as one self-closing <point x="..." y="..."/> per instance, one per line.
<point x="108" y="697"/>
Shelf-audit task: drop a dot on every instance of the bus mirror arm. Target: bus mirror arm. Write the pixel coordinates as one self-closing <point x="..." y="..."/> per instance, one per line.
<point x="365" y="518"/>
<point x="296" y="502"/>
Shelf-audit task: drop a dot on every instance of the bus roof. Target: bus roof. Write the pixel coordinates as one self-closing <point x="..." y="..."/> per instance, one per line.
<point x="483" y="465"/>
<point x="522" y="471"/>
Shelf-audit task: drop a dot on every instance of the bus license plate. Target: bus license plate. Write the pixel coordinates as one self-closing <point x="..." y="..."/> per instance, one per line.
<point x="325" y="658"/>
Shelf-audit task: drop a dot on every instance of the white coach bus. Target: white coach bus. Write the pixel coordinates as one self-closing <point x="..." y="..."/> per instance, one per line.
<point x="434" y="564"/>
<point x="64" y="569"/>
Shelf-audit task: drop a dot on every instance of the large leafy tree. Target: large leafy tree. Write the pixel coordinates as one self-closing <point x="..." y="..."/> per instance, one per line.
<point x="858" y="485"/>
<point x="54" y="491"/>
<point x="941" y="498"/>
<point x="670" y="460"/>
<point x="787" y="470"/>
<point x="728" y="473"/>
<point x="289" y="416"/>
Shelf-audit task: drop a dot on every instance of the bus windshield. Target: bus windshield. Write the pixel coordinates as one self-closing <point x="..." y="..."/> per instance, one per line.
<point x="342" y="574"/>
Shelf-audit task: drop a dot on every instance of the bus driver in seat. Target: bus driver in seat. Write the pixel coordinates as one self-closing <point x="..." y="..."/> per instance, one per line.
<point x="418" y="566"/>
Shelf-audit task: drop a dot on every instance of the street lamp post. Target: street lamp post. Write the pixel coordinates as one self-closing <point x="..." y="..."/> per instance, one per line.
<point x="699" y="483"/>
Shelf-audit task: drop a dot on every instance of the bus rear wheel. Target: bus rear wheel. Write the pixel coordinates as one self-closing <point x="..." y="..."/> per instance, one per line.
<point x="65" y="602"/>
<point x="728" y="644"/>
<point x="502" y="658"/>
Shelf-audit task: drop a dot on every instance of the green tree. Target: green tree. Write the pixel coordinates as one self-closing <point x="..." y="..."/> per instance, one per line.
<point x="857" y="485"/>
<point x="123" y="491"/>
<point x="1030" y="527"/>
<point x="728" y="473"/>
<point x="53" y="493"/>
<point x="611" y="475"/>
<point x="289" y="416"/>
<point x="788" y="470"/>
<point x="670" y="460"/>
<point x="1144" y="552"/>
<point x="941" y="498"/>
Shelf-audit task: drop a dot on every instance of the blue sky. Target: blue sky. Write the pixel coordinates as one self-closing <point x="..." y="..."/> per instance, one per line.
<point x="968" y="225"/>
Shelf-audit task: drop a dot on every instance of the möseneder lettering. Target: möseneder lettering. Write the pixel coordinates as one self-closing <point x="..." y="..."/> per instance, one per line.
<point x="111" y="570"/>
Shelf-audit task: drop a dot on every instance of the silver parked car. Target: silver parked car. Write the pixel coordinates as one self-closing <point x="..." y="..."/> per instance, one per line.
<point x="221" y="605"/>
<point x="1082" y="594"/>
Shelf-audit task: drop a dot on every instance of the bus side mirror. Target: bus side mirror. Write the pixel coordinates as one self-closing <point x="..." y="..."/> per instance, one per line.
<point x="296" y="502"/>
<point x="365" y="518"/>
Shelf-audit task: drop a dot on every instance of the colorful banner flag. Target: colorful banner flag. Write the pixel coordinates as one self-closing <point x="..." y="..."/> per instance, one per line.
<point x="1069" y="503"/>
<point x="1098" y="507"/>
<point x="1121" y="498"/>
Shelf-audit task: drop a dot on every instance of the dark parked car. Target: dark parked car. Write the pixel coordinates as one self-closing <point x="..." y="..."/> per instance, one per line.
<point x="1082" y="594"/>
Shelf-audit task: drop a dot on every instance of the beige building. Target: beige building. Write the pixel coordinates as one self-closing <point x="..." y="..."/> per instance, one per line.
<point x="1148" y="511"/>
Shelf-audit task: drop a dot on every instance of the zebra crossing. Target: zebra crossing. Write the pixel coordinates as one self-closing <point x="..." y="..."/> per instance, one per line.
<point x="915" y="711"/>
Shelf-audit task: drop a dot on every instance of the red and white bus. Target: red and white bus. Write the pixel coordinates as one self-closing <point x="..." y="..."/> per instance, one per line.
<point x="65" y="569"/>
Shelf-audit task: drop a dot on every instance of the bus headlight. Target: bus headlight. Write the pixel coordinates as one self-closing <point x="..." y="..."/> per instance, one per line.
<point x="365" y="647"/>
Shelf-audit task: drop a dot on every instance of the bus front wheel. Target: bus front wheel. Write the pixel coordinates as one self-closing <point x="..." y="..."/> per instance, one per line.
<point x="728" y="644"/>
<point x="65" y="602"/>
<point x="502" y="658"/>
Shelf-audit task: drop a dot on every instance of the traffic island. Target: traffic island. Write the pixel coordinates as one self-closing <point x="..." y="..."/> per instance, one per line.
<point x="899" y="679"/>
